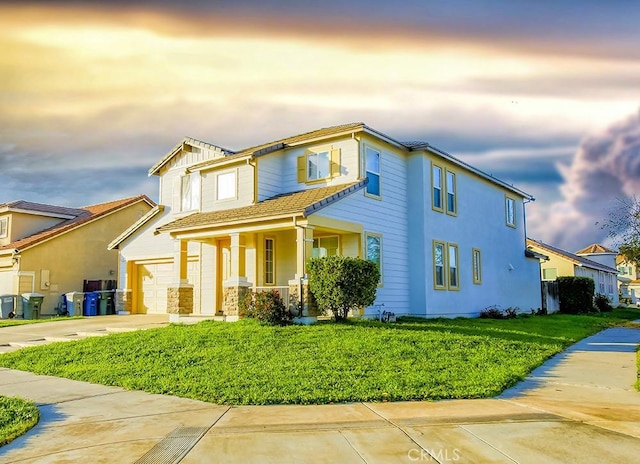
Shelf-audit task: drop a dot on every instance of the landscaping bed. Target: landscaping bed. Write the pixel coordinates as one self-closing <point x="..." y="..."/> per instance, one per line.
<point x="249" y="363"/>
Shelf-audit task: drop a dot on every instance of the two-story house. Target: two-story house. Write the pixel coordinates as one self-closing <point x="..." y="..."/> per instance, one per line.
<point x="448" y="238"/>
<point x="51" y="250"/>
<point x="628" y="280"/>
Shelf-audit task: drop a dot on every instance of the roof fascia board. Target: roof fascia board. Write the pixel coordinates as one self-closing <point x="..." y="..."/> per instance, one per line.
<point x="41" y="213"/>
<point x="238" y="222"/>
<point x="225" y="229"/>
<point x="208" y="165"/>
<point x="384" y="137"/>
<point x="135" y="227"/>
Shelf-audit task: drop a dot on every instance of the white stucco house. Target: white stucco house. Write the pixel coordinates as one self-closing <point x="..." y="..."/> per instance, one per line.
<point x="449" y="238"/>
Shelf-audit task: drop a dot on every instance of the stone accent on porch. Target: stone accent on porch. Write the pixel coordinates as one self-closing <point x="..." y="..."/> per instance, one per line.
<point x="179" y="301"/>
<point x="310" y="311"/>
<point x="232" y="293"/>
<point x="123" y="301"/>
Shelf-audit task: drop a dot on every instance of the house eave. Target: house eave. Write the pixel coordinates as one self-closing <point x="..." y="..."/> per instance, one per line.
<point x="114" y="245"/>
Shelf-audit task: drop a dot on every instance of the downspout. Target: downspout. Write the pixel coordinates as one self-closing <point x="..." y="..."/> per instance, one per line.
<point x="300" y="277"/>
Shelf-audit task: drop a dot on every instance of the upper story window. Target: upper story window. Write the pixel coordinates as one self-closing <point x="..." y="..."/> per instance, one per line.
<point x="186" y="192"/>
<point x="372" y="168"/>
<point x="226" y="185"/>
<point x="510" y="211"/>
<point x="452" y="202"/>
<point x="436" y="182"/>
<point x="326" y="246"/>
<point x="4" y="227"/>
<point x="319" y="165"/>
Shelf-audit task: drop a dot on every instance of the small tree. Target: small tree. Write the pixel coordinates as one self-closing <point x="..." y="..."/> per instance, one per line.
<point x="576" y="294"/>
<point x="340" y="284"/>
<point x="624" y="228"/>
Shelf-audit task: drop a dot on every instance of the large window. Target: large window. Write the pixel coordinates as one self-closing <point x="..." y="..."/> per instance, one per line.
<point x="510" y="211"/>
<point x="4" y="227"/>
<point x="326" y="246"/>
<point x="476" y="262"/>
<point x="373" y="243"/>
<point x="372" y="160"/>
<point x="187" y="192"/>
<point x="452" y="206"/>
<point x="318" y="165"/>
<point x="226" y="185"/>
<point x="269" y="261"/>
<point x="436" y="181"/>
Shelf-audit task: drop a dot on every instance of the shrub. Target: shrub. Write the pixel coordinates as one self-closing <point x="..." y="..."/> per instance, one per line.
<point x="491" y="312"/>
<point x="576" y="294"/>
<point x="602" y="303"/>
<point x="340" y="284"/>
<point x="511" y="312"/>
<point x="266" y="306"/>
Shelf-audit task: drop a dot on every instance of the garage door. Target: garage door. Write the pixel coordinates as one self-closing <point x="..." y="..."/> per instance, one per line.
<point x="153" y="281"/>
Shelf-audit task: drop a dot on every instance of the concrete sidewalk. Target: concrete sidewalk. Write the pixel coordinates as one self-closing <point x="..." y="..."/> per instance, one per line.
<point x="578" y="407"/>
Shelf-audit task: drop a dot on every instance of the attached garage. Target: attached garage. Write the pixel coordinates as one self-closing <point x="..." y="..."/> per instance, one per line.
<point x="153" y="280"/>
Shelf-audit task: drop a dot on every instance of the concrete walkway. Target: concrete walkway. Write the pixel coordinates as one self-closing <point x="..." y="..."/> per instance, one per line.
<point x="578" y="407"/>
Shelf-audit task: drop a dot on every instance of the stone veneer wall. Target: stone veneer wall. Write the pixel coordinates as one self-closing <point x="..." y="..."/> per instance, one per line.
<point x="309" y="305"/>
<point x="231" y="297"/>
<point x="180" y="300"/>
<point x="124" y="300"/>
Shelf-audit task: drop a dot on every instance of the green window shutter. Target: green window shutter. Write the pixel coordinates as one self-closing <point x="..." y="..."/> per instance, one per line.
<point x="302" y="169"/>
<point x="335" y="162"/>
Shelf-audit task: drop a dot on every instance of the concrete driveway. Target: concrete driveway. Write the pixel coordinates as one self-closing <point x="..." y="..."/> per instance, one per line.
<point x="578" y="407"/>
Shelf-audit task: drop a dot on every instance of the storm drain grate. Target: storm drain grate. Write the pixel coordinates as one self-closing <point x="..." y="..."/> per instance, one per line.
<point x="174" y="446"/>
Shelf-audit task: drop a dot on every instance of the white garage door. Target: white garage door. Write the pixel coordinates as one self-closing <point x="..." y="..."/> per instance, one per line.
<point x="153" y="281"/>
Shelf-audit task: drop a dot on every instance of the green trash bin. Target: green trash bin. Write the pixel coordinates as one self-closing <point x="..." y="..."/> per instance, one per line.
<point x="31" y="305"/>
<point x="105" y="302"/>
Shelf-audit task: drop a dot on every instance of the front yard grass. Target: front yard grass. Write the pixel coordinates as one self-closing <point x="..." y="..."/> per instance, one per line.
<point x="17" y="416"/>
<point x="247" y="363"/>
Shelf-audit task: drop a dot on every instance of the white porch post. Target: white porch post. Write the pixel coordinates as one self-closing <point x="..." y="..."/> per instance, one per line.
<point x="302" y="303"/>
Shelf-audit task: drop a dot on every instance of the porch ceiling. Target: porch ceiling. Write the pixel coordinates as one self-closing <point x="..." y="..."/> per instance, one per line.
<point x="302" y="204"/>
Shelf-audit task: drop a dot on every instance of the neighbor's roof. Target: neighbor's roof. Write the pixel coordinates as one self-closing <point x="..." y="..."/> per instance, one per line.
<point x="83" y="216"/>
<point x="47" y="210"/>
<point x="575" y="259"/>
<point x="595" y="248"/>
<point x="301" y="203"/>
<point x="327" y="132"/>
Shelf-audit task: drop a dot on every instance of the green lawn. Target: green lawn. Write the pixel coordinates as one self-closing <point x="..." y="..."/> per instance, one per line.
<point x="17" y="416"/>
<point x="246" y="363"/>
<point x="12" y="322"/>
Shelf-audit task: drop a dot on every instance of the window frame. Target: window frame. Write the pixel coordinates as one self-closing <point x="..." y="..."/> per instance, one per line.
<point x="453" y="212"/>
<point x="443" y="254"/>
<point x="326" y="152"/>
<point x="380" y="253"/>
<point x="476" y="265"/>
<point x="456" y="267"/>
<point x="321" y="237"/>
<point x="194" y="190"/>
<point x="234" y="196"/>
<point x="378" y="174"/>
<point x="4" y="227"/>
<point x="433" y="188"/>
<point x="510" y="200"/>
<point x="272" y="262"/>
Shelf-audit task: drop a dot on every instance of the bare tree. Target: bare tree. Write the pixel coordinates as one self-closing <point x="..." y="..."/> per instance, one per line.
<point x="623" y="226"/>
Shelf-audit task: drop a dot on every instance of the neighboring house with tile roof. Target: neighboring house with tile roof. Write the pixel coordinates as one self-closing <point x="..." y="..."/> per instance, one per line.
<point x="594" y="261"/>
<point x="449" y="239"/>
<point x="51" y="249"/>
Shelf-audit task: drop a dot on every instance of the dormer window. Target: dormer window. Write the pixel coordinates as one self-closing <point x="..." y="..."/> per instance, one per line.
<point x="186" y="192"/>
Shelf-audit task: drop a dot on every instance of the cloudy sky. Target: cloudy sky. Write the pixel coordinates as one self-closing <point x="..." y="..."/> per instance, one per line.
<point x="542" y="94"/>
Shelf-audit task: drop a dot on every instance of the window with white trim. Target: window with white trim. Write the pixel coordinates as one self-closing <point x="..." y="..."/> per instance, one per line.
<point x="326" y="246"/>
<point x="4" y="227"/>
<point x="269" y="261"/>
<point x="318" y="165"/>
<point x="372" y="167"/>
<point x="186" y="191"/>
<point x="226" y="185"/>
<point x="510" y="211"/>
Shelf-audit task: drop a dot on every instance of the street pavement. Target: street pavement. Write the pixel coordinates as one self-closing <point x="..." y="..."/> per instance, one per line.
<point x="579" y="407"/>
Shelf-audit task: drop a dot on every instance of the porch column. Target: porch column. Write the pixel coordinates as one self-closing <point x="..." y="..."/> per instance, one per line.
<point x="237" y="286"/>
<point x="180" y="292"/>
<point x="302" y="303"/>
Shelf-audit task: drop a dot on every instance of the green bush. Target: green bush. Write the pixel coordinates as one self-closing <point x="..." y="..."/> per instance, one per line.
<point x="491" y="312"/>
<point x="576" y="294"/>
<point x="340" y="284"/>
<point x="602" y="303"/>
<point x="266" y="306"/>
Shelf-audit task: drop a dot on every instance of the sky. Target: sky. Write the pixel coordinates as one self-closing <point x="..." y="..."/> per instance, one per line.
<point x="541" y="94"/>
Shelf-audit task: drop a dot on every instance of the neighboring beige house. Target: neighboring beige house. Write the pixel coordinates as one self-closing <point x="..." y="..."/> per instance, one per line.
<point x="51" y="249"/>
<point x="628" y="280"/>
<point x="448" y="238"/>
<point x="595" y="261"/>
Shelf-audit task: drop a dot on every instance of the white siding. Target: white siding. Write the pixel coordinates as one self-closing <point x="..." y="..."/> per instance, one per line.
<point x="388" y="217"/>
<point x="278" y="172"/>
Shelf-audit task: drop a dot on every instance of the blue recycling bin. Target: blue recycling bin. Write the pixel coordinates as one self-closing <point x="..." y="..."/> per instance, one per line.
<point x="91" y="304"/>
